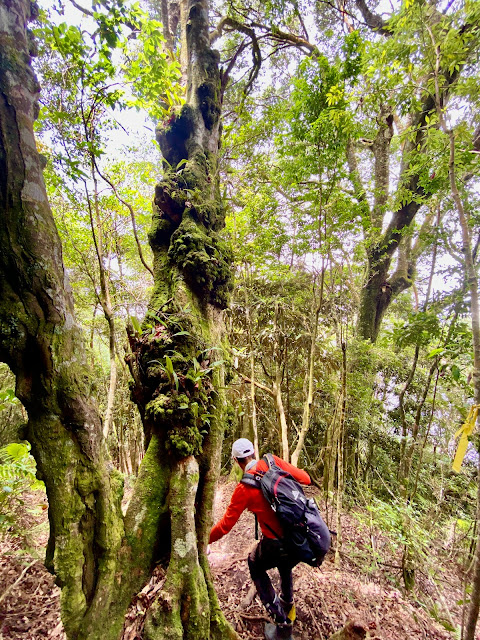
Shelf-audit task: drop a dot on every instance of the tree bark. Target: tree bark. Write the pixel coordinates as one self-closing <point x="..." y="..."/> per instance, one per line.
<point x="178" y="363"/>
<point x="41" y="342"/>
<point x="100" y="558"/>
<point x="309" y="379"/>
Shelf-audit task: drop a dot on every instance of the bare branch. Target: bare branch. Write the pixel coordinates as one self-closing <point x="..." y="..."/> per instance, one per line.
<point x="86" y="12"/>
<point x="231" y="24"/>
<point x="257" y="384"/>
<point x="132" y="216"/>
<point x="374" y="21"/>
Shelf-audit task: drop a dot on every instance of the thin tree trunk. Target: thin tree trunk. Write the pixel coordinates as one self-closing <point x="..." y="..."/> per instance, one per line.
<point x="309" y="389"/>
<point x="277" y="392"/>
<point x="403" y="444"/>
<point x="253" y="404"/>
<point x="474" y="607"/>
<point x="330" y="450"/>
<point x="406" y="453"/>
<point x="413" y="492"/>
<point x="104" y="299"/>
<point x="340" y="463"/>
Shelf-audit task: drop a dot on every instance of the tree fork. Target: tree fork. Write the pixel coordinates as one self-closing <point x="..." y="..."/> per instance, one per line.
<point x="178" y="364"/>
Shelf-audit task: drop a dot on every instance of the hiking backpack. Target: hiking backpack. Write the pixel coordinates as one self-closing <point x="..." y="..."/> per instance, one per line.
<point x="305" y="535"/>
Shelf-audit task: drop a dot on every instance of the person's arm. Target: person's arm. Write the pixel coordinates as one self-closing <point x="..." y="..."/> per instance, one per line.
<point x="234" y="510"/>
<point x="299" y="474"/>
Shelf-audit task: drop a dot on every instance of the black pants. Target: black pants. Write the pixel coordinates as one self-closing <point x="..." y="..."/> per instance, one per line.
<point x="267" y="555"/>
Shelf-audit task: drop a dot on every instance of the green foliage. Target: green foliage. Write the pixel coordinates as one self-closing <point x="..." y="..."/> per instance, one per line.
<point x="318" y="118"/>
<point x="84" y="84"/>
<point x="353" y="49"/>
<point x="8" y="399"/>
<point x="154" y="76"/>
<point x="17" y="476"/>
<point x="420" y="329"/>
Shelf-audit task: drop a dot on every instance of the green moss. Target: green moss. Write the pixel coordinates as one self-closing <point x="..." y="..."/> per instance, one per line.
<point x="209" y="101"/>
<point x="184" y="441"/>
<point x="158" y="407"/>
<point x="85" y="481"/>
<point x="193" y="175"/>
<point x="184" y="419"/>
<point x="161" y="229"/>
<point x="69" y="562"/>
<point x="204" y="259"/>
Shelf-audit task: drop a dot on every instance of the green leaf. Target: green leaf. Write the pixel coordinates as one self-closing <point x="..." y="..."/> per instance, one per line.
<point x="135" y="324"/>
<point x="455" y="373"/>
<point x="17" y="450"/>
<point x="169" y="365"/>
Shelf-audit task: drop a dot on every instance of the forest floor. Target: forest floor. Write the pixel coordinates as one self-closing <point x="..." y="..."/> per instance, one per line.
<point x="325" y="598"/>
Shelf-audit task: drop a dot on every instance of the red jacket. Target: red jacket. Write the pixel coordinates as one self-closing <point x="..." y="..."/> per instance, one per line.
<point x="251" y="498"/>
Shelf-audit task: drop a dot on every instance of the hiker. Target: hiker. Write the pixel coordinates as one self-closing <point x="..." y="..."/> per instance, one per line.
<point x="270" y="551"/>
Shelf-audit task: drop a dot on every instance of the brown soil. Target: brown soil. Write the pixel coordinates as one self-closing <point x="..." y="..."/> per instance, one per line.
<point x="325" y="598"/>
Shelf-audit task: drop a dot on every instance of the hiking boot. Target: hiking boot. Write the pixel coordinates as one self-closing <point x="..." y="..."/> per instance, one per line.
<point x="278" y="631"/>
<point x="289" y="609"/>
<point x="275" y="609"/>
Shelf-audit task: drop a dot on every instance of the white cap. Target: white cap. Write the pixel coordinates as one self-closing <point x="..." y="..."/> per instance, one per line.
<point x="242" y="448"/>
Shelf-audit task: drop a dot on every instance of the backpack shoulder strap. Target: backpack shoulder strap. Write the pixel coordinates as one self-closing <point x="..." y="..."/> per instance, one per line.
<point x="269" y="459"/>
<point x="250" y="480"/>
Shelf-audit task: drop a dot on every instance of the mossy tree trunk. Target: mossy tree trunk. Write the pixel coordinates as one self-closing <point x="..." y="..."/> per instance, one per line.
<point x="100" y="558"/>
<point x="178" y="359"/>
<point x="42" y="344"/>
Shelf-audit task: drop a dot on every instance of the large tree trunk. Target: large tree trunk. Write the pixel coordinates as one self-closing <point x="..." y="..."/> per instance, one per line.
<point x="41" y="342"/>
<point x="177" y="363"/>
<point x="101" y="559"/>
<point x="381" y="287"/>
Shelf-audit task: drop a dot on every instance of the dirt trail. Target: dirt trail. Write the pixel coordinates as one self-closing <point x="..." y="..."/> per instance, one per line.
<point x="325" y="598"/>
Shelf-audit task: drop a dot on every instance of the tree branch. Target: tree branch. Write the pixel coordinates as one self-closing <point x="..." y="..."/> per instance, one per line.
<point x="83" y="10"/>
<point x="374" y="21"/>
<point x="132" y="216"/>
<point x="257" y="384"/>
<point x="235" y="25"/>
